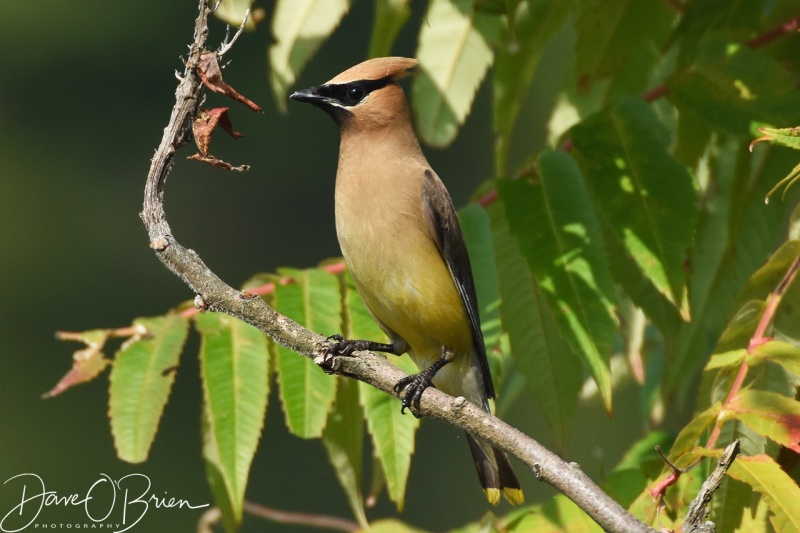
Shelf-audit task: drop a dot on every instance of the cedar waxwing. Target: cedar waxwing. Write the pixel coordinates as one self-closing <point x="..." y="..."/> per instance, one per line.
<point x="402" y="243"/>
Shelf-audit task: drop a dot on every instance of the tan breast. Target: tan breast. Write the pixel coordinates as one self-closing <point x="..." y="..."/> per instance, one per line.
<point x="395" y="263"/>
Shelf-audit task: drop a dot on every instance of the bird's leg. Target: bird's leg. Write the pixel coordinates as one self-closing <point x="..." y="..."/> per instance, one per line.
<point x="416" y="384"/>
<point x="346" y="347"/>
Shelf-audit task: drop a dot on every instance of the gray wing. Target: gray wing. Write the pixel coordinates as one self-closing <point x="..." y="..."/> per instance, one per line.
<point x="443" y="226"/>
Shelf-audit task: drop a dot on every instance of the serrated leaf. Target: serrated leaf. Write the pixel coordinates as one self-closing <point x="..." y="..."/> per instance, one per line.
<point x="723" y="359"/>
<point x="731" y="85"/>
<point x="299" y="27"/>
<point x="648" y="196"/>
<point x="562" y="511"/>
<point x="782" y="136"/>
<point x="478" y="237"/>
<point x="770" y="414"/>
<point x="234" y="370"/>
<point x="551" y="369"/>
<point x="307" y="393"/>
<point x="620" y="40"/>
<point x="687" y="439"/>
<point x="392" y="432"/>
<point x="782" y="353"/>
<point x="639" y="287"/>
<point x="559" y="235"/>
<point x="780" y="492"/>
<point x="141" y="380"/>
<point x="735" y="236"/>
<point x="390" y="17"/>
<point x="344" y="441"/>
<point x="728" y="505"/>
<point x="455" y="51"/>
<point x="533" y="25"/>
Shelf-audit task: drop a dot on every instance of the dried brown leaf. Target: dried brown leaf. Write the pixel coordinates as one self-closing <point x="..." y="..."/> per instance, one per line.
<point x="87" y="364"/>
<point x="211" y="74"/>
<point x="207" y="121"/>
<point x="211" y="160"/>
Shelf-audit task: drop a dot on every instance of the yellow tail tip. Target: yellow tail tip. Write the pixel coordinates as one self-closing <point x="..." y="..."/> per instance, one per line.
<point x="514" y="496"/>
<point x="493" y="495"/>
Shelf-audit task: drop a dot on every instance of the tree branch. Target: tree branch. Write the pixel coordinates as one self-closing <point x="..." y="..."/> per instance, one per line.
<point x="698" y="509"/>
<point x="215" y="295"/>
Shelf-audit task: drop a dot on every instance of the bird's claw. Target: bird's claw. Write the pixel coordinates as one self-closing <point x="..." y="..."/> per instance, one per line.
<point x="340" y="346"/>
<point x="415" y="385"/>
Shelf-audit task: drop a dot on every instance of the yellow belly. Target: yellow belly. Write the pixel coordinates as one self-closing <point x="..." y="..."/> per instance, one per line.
<point x="413" y="296"/>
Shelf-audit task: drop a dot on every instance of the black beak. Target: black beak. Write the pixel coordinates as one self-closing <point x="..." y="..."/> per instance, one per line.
<point x="310" y="95"/>
<point x="321" y="97"/>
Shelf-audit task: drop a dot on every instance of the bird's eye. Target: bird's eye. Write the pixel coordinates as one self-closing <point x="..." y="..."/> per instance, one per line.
<point x="356" y="93"/>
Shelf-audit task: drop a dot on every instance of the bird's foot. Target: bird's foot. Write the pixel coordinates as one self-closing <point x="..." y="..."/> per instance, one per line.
<point x="346" y="347"/>
<point x="416" y="384"/>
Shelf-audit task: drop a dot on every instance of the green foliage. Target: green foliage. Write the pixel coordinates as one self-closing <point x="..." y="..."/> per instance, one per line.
<point x="141" y="379"/>
<point x="234" y="361"/>
<point x="558" y="233"/>
<point x="646" y="202"/>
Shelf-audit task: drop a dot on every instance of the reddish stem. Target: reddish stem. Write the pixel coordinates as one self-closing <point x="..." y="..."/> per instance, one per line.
<point x="774" y="33"/>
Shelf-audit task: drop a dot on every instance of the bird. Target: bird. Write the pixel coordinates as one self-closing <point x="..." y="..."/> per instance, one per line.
<point x="401" y="241"/>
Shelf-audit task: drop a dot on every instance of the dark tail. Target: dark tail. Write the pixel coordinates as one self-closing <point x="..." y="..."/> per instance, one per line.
<point x="495" y="473"/>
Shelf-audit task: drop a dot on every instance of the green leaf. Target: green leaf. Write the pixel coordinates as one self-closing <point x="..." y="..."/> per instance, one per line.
<point x="639" y="287"/>
<point x="307" y="393"/>
<point x="735" y="236"/>
<point x="770" y="414"/>
<point x="692" y="137"/>
<point x="559" y="235"/>
<point x="736" y="20"/>
<point x="478" y="237"/>
<point x="392" y="432"/>
<point x="646" y="194"/>
<point x="620" y="40"/>
<point x="782" y="136"/>
<point x="344" y="441"/>
<point x="782" y="353"/>
<point x="723" y="359"/>
<point x="534" y="24"/>
<point x="687" y="439"/>
<point x="644" y="451"/>
<point x="551" y="368"/>
<point x="234" y="363"/>
<point x="562" y="511"/>
<point x="299" y="28"/>
<point x="390" y="17"/>
<point x="728" y="505"/>
<point x="390" y="525"/>
<point x="455" y="51"/>
<point x="731" y="86"/>
<point x="141" y="379"/>
<point x="780" y="492"/>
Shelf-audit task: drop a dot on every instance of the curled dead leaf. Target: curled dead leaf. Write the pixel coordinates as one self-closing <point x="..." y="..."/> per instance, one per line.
<point x="87" y="363"/>
<point x="211" y="160"/>
<point x="206" y="122"/>
<point x="211" y="74"/>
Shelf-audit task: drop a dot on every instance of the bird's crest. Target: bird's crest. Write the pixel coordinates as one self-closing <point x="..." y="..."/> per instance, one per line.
<point x="377" y="69"/>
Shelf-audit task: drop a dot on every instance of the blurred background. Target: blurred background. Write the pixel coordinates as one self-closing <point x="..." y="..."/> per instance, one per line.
<point x="85" y="92"/>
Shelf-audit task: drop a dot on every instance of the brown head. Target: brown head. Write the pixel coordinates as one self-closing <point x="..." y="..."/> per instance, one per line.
<point x="364" y="97"/>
